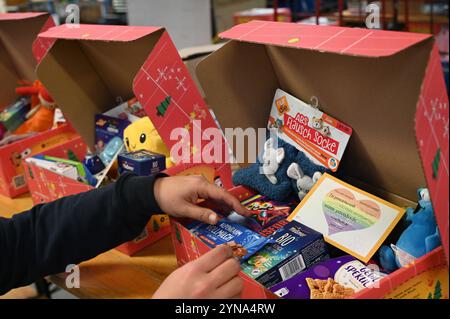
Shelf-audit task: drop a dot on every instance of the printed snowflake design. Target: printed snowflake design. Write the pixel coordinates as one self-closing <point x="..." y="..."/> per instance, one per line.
<point x="180" y="83"/>
<point x="162" y="74"/>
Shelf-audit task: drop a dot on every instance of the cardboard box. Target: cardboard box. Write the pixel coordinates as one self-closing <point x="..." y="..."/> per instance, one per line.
<point x="88" y="68"/>
<point x="45" y="185"/>
<point x="388" y="86"/>
<point x="18" y="32"/>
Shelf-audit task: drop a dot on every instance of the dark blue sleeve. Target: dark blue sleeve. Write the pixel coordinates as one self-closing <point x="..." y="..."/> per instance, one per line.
<point x="47" y="238"/>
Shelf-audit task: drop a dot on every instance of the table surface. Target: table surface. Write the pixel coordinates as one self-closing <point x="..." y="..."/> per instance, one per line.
<point x="111" y="274"/>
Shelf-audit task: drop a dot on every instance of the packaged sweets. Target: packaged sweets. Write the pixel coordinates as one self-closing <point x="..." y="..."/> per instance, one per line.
<point x="243" y="241"/>
<point x="336" y="278"/>
<point x="266" y="212"/>
<point x="291" y="250"/>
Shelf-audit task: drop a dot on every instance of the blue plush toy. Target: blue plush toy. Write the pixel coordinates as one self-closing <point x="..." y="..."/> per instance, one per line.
<point x="282" y="171"/>
<point x="419" y="238"/>
<point x="269" y="176"/>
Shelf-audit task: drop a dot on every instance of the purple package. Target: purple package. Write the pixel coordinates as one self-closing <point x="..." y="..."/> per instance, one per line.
<point x="335" y="278"/>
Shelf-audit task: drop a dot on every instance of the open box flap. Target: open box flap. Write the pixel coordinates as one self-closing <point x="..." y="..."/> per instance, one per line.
<point x="349" y="41"/>
<point x="18" y="32"/>
<point x="86" y="77"/>
<point x="431" y="125"/>
<point x="378" y="98"/>
<point x="89" y="71"/>
<point x="20" y="15"/>
<point x="99" y="32"/>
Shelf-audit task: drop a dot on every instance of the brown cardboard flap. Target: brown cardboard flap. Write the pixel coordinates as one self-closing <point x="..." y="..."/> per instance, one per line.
<point x="16" y="57"/>
<point x="8" y="78"/>
<point x="89" y="77"/>
<point x="377" y="97"/>
<point x="17" y="38"/>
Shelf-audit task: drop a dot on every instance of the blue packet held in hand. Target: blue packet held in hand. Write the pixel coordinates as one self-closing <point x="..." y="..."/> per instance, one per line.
<point x="243" y="241"/>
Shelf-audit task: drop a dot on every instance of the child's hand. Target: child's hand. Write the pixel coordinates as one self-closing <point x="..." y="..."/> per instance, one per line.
<point x="213" y="275"/>
<point x="178" y="195"/>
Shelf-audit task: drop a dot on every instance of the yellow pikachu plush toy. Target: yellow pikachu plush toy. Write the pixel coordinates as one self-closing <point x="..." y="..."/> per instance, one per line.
<point x="142" y="135"/>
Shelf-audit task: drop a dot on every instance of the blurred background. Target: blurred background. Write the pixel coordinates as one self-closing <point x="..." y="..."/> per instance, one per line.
<point x="196" y="24"/>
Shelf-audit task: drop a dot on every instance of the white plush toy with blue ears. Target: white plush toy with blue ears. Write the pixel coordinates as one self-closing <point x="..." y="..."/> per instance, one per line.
<point x="303" y="182"/>
<point x="272" y="158"/>
<point x="418" y="239"/>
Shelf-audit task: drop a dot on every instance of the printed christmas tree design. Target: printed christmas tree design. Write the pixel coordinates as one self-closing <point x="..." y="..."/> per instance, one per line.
<point x="162" y="107"/>
<point x="437" y="291"/>
<point x="435" y="164"/>
<point x="178" y="235"/>
<point x="71" y="155"/>
<point x="30" y="173"/>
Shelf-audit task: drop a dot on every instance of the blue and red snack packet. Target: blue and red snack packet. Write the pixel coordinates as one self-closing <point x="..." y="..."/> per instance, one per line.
<point x="243" y="241"/>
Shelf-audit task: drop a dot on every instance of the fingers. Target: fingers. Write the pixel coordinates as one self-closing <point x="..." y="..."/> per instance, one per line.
<point x="225" y="272"/>
<point x="230" y="289"/>
<point x="203" y="214"/>
<point x="210" y="191"/>
<point x="214" y="258"/>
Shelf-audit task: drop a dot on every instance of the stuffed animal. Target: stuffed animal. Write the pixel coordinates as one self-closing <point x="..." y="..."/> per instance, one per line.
<point x="142" y="135"/>
<point x="271" y="160"/>
<point x="268" y="175"/>
<point x="303" y="183"/>
<point x="40" y="117"/>
<point x="418" y="239"/>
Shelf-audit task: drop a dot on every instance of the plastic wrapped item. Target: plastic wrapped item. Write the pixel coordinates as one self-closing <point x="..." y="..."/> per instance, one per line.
<point x="243" y="241"/>
<point x="111" y="149"/>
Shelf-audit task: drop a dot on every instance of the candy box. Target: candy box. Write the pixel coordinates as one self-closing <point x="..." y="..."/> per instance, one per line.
<point x="266" y="212"/>
<point x="142" y="162"/>
<point x="266" y="232"/>
<point x="335" y="278"/>
<point x="293" y="248"/>
<point x="60" y="168"/>
<point x="243" y="241"/>
<point x="14" y="115"/>
<point x="107" y="127"/>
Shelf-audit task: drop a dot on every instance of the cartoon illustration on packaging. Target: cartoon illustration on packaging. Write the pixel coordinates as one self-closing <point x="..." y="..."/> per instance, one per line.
<point x="322" y="138"/>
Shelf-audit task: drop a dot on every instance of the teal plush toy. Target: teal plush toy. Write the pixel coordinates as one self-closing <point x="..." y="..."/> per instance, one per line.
<point x="418" y="239"/>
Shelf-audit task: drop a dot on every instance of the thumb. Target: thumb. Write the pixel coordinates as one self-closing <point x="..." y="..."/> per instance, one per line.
<point x="200" y="213"/>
